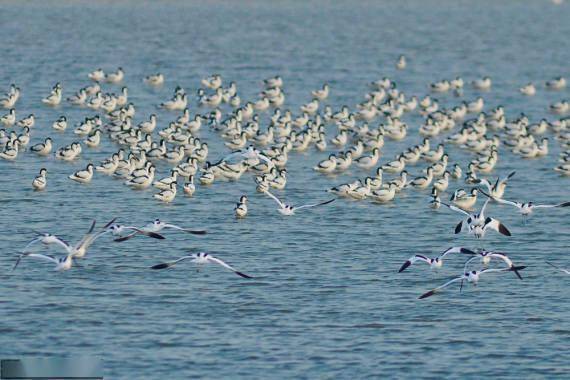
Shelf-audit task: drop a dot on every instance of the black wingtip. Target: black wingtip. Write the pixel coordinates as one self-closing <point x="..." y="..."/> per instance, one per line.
<point x="92" y="226"/>
<point x="467" y="251"/>
<point x="17" y="262"/>
<point x="404" y="266"/>
<point x="565" y="204"/>
<point x="197" y="232"/>
<point x="504" y="230"/>
<point x="154" y="235"/>
<point x="110" y="222"/>
<point x="426" y="295"/>
<point x="243" y="275"/>
<point x="485" y="194"/>
<point x="458" y="227"/>
<point x="516" y="269"/>
<point x="160" y="266"/>
<point x="124" y="238"/>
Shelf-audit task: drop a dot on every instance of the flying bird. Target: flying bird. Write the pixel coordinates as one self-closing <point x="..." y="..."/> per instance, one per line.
<point x="287" y="210"/>
<point x="201" y="259"/>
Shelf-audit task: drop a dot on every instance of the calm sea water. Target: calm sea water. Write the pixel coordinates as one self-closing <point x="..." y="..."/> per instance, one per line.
<point x="327" y="301"/>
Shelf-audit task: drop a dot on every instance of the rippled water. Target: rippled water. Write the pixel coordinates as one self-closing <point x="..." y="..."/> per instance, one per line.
<point x="326" y="301"/>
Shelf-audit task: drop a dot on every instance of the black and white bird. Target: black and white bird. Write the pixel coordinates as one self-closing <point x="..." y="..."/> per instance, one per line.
<point x="525" y="208"/>
<point x="61" y="263"/>
<point x="486" y="257"/>
<point x="46" y="239"/>
<point x="476" y="223"/>
<point x="201" y="259"/>
<point x="471" y="277"/>
<point x="435" y="201"/>
<point x="241" y="207"/>
<point x="496" y="189"/>
<point x="152" y="229"/>
<point x="287" y="210"/>
<point x="436" y="262"/>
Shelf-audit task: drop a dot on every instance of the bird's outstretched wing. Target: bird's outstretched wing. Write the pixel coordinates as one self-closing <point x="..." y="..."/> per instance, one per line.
<point x="316" y="204"/>
<point x="412" y="260"/>
<point x="499" y="200"/>
<point x="281" y="204"/>
<point x="37" y="255"/>
<point x="494" y="224"/>
<point x="455" y="208"/>
<point x="190" y="231"/>
<point x="439" y="288"/>
<point x="220" y="262"/>
<point x="170" y="264"/>
<point x="565" y="204"/>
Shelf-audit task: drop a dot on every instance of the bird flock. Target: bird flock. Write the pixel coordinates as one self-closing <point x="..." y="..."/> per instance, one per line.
<point x="353" y="136"/>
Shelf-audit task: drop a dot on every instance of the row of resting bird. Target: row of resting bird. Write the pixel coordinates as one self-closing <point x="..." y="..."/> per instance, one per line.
<point x="263" y="149"/>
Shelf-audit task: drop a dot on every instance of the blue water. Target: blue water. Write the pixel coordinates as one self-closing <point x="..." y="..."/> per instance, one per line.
<point x="327" y="301"/>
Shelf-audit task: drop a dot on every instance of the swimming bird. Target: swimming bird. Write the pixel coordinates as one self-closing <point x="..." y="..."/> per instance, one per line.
<point x="423" y="181"/>
<point x="54" y="98"/>
<point x="115" y="77"/>
<point x="288" y="210"/>
<point x="213" y="82"/>
<point x="471" y="277"/>
<point x="241" y="207"/>
<point x="436" y="262"/>
<point x="327" y="166"/>
<point x="10" y="152"/>
<point x="482" y="83"/>
<point x="42" y="149"/>
<point x="154" y="80"/>
<point x="401" y="63"/>
<point x="9" y="119"/>
<point x="528" y="89"/>
<point x="465" y="200"/>
<point x="442" y="183"/>
<point x="367" y="162"/>
<point x="189" y="187"/>
<point x="79" y="98"/>
<point x="201" y="259"/>
<point x="167" y="195"/>
<point x="344" y="189"/>
<point x="321" y="94"/>
<point x="97" y="75"/>
<point x="60" y="124"/>
<point x="83" y="176"/>
<point x="384" y="194"/>
<point x="362" y="190"/>
<point x="28" y="121"/>
<point x="395" y="166"/>
<point x="556" y="83"/>
<point x="40" y="182"/>
<point x="165" y="183"/>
